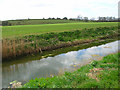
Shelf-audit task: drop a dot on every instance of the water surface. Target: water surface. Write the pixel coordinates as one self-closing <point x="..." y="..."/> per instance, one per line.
<point x="56" y="65"/>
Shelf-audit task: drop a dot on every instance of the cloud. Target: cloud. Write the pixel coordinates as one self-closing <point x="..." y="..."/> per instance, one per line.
<point x="18" y="9"/>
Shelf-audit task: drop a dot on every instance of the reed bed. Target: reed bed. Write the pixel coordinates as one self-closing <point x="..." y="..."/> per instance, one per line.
<point x="38" y="43"/>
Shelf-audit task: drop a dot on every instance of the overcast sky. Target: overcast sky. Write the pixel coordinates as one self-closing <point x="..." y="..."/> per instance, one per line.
<point x="36" y="9"/>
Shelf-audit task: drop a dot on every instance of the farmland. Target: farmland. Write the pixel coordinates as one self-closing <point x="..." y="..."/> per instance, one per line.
<point x="39" y="21"/>
<point x="27" y="39"/>
<point x="20" y="41"/>
<point x="23" y="30"/>
<point x="29" y="44"/>
<point x="59" y="44"/>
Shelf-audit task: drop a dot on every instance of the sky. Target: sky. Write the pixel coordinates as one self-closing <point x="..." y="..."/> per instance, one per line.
<point x="38" y="9"/>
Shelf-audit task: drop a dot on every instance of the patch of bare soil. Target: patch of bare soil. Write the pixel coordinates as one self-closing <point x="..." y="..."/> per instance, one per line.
<point x="94" y="72"/>
<point x="97" y="71"/>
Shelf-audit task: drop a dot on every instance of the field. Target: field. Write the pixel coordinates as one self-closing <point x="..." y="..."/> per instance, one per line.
<point x="39" y="21"/>
<point x="22" y="40"/>
<point x="22" y="30"/>
<point x="48" y="41"/>
<point x="97" y="74"/>
<point x="28" y="39"/>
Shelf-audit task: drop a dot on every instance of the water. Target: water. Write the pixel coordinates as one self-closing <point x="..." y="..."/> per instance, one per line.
<point x="56" y="65"/>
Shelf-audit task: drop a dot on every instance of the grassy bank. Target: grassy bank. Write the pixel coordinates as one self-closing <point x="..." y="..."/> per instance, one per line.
<point x="49" y="41"/>
<point x="97" y="74"/>
<point x="23" y="30"/>
<point x="52" y="53"/>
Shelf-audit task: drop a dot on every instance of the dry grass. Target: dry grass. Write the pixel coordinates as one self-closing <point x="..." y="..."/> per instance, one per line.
<point x="94" y="72"/>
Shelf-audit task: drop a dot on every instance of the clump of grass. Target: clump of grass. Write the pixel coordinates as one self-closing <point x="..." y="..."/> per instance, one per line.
<point x="107" y="77"/>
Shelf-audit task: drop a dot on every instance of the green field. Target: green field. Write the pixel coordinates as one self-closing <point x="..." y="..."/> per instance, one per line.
<point x="27" y="39"/>
<point x="13" y="47"/>
<point x="22" y="30"/>
<point x="39" y="21"/>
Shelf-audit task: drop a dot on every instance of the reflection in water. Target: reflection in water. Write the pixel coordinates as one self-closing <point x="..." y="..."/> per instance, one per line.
<point x="55" y="65"/>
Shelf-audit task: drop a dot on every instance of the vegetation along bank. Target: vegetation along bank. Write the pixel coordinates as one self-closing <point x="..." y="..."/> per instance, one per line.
<point x="48" y="41"/>
<point x="97" y="74"/>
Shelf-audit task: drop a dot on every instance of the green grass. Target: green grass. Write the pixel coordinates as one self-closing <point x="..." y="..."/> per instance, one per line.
<point x="107" y="77"/>
<point x="22" y="30"/>
<point x="48" y="41"/>
<point x="28" y="39"/>
<point x="38" y="21"/>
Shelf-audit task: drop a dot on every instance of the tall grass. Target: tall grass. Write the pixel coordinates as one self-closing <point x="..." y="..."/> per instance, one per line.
<point x="48" y="41"/>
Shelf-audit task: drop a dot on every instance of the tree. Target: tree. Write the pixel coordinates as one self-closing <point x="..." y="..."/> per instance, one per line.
<point x="85" y="19"/>
<point x="58" y="18"/>
<point x="53" y="18"/>
<point x="71" y="19"/>
<point x="104" y="19"/>
<point x="65" y="18"/>
<point x="114" y="18"/>
<point x="5" y="23"/>
<point x="100" y="18"/>
<point x="119" y="19"/>
<point x="49" y="18"/>
<point x="80" y="17"/>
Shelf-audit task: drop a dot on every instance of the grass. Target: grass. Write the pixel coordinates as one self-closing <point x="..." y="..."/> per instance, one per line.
<point x="37" y="43"/>
<point x="97" y="74"/>
<point x="23" y="30"/>
<point x="51" y="53"/>
<point x="39" y="21"/>
<point x="28" y="39"/>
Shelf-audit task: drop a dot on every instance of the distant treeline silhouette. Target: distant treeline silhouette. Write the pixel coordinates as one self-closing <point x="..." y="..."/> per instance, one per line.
<point x="58" y="20"/>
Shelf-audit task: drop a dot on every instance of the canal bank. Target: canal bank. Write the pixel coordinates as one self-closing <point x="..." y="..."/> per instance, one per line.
<point x="97" y="74"/>
<point x="51" y="66"/>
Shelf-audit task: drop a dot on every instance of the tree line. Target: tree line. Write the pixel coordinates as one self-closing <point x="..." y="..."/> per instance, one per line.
<point x="79" y="18"/>
<point x="100" y="19"/>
